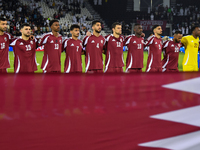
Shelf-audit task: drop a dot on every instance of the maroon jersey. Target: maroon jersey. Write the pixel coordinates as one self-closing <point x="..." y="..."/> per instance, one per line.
<point x="73" y="49"/>
<point x="24" y="51"/>
<point x="154" y="53"/>
<point x="94" y="47"/>
<point x="52" y="52"/>
<point x="135" y="52"/>
<point x="5" y="41"/>
<point x="171" y="54"/>
<point x="114" y="52"/>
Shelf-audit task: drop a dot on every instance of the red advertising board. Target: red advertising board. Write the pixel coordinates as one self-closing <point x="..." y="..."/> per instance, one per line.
<point x="148" y="24"/>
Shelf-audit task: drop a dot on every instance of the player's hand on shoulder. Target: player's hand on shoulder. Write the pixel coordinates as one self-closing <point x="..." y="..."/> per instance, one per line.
<point x="88" y="33"/>
<point x="32" y="37"/>
<point x="143" y="35"/>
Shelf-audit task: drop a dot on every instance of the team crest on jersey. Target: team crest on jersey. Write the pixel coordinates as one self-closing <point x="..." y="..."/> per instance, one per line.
<point x="113" y="40"/>
<point x="120" y="40"/>
<point x="156" y="43"/>
<point x="72" y="44"/>
<point x="21" y="43"/>
<point x="80" y="44"/>
<point x="31" y="42"/>
<point x="102" y="41"/>
<point x="60" y="41"/>
<point x="172" y="45"/>
<point x="134" y="42"/>
<point x="93" y="41"/>
<point x="5" y="39"/>
<point x="179" y="45"/>
<point x="52" y="41"/>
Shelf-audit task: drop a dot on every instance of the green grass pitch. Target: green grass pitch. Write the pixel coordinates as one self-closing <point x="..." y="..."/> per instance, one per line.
<point x="39" y="56"/>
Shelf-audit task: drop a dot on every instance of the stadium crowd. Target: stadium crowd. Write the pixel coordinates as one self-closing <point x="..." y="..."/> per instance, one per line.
<point x="16" y="13"/>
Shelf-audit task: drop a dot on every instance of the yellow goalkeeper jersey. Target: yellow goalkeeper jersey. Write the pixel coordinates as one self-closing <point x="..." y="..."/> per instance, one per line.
<point x="191" y="50"/>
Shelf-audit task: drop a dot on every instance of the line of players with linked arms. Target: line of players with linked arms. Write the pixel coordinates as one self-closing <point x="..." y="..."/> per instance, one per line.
<point x="94" y="45"/>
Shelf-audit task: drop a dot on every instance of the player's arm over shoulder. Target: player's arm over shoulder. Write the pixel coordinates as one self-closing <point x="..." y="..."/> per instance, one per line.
<point x="43" y="39"/>
<point x="184" y="41"/>
<point x="149" y="40"/>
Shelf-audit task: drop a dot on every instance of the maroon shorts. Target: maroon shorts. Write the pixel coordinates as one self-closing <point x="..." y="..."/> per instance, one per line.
<point x="3" y="70"/>
<point x="95" y="71"/>
<point x="169" y="70"/>
<point x="132" y="70"/>
<point x="154" y="70"/>
<point x="116" y="70"/>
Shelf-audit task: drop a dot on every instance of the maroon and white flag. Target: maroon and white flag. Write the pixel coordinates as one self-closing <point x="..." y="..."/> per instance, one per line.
<point x="98" y="111"/>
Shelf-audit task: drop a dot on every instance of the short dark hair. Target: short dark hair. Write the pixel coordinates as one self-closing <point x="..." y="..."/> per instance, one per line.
<point x="2" y="19"/>
<point x="155" y="26"/>
<point x="194" y="27"/>
<point x="178" y="32"/>
<point x="24" y="24"/>
<point x="137" y="24"/>
<point x="115" y="24"/>
<point x="95" y="21"/>
<point x="52" y="21"/>
<point x="74" y="26"/>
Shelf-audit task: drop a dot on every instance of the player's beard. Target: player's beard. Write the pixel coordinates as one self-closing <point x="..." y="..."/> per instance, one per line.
<point x="3" y="30"/>
<point x="98" y="31"/>
<point x="26" y="35"/>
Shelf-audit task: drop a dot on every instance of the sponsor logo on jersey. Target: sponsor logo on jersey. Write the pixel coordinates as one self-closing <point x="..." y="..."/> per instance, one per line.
<point x="113" y="40"/>
<point x="172" y="45"/>
<point x="192" y="41"/>
<point x="72" y="44"/>
<point x="21" y="43"/>
<point x="134" y="42"/>
<point x="5" y="39"/>
<point x="93" y="41"/>
<point x="52" y="41"/>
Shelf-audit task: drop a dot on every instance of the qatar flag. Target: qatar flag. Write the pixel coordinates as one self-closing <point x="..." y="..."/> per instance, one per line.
<point x="100" y="111"/>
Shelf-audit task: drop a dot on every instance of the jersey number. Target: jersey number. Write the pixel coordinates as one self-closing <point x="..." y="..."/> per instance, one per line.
<point x="176" y="49"/>
<point x="159" y="46"/>
<point x="3" y="45"/>
<point x="28" y="47"/>
<point x="56" y="46"/>
<point x="97" y="45"/>
<point x="118" y="44"/>
<point x="139" y="46"/>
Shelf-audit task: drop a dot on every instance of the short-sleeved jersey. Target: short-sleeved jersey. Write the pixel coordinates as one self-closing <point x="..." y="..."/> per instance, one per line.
<point x="94" y="48"/>
<point x="52" y="52"/>
<point x="135" y="52"/>
<point x="24" y="51"/>
<point x="114" y="52"/>
<point x="73" y="49"/>
<point x="171" y="54"/>
<point x="191" y="50"/>
<point x="154" y="53"/>
<point x="5" y="41"/>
